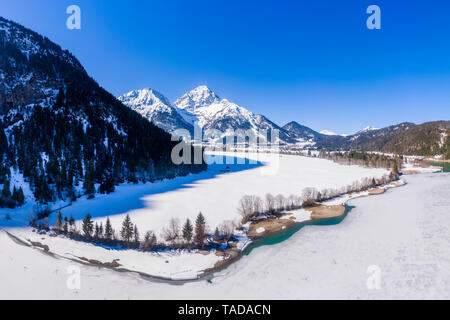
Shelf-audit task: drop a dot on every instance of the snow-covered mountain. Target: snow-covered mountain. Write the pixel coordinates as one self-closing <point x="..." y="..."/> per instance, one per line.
<point x="155" y="107"/>
<point x="328" y="133"/>
<point x="368" y="129"/>
<point x="201" y="96"/>
<point x="32" y="68"/>
<point x="219" y="118"/>
<point x="303" y="136"/>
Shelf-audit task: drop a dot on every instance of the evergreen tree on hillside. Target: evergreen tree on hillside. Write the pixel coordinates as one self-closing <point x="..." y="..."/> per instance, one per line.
<point x="20" y="197"/>
<point x="188" y="231"/>
<point x="108" y="230"/>
<point x="88" y="185"/>
<point x="14" y="194"/>
<point x="127" y="230"/>
<point x="88" y="226"/>
<point x="136" y="235"/>
<point x="96" y="231"/>
<point x="71" y="224"/>
<point x="6" y="192"/>
<point x="101" y="230"/>
<point x="395" y="169"/>
<point x="200" y="230"/>
<point x="83" y="135"/>
<point x="59" y="222"/>
<point x="66" y="225"/>
<point x="149" y="241"/>
<point x="216" y="234"/>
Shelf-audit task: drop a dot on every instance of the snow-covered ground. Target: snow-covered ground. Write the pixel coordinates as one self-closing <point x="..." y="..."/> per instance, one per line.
<point x="411" y="167"/>
<point x="403" y="233"/>
<point x="215" y="193"/>
<point x="298" y="215"/>
<point x="171" y="264"/>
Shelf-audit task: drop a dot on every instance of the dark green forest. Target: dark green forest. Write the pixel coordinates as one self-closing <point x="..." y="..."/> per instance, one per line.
<point x="79" y="135"/>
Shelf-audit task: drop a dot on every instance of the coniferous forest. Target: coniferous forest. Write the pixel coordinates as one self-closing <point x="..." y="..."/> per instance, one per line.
<point x="65" y="134"/>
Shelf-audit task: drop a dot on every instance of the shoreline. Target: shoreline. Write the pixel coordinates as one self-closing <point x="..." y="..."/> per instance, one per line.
<point x="437" y="160"/>
<point x="254" y="233"/>
<point x="284" y="223"/>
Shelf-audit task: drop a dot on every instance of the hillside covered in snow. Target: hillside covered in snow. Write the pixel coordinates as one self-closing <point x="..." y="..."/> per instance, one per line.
<point x="63" y="135"/>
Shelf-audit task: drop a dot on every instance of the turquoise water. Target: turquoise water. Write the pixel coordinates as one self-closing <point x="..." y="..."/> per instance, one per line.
<point x="289" y="232"/>
<point x="445" y="165"/>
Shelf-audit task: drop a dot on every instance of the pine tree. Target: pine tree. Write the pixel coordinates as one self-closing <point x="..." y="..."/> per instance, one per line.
<point x="395" y="169"/>
<point x="14" y="194"/>
<point x="187" y="231"/>
<point x="88" y="226"/>
<point x="20" y="197"/>
<point x="217" y="234"/>
<point x="58" y="223"/>
<point x="72" y="226"/>
<point x="200" y="230"/>
<point x="100" y="230"/>
<point x="374" y="183"/>
<point x="136" y="235"/>
<point x="66" y="225"/>
<point x="108" y="230"/>
<point x="6" y="192"/>
<point x="97" y="231"/>
<point x="149" y="241"/>
<point x="127" y="230"/>
<point x="88" y="185"/>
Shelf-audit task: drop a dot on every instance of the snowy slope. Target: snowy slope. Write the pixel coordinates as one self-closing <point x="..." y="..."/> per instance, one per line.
<point x="392" y="231"/>
<point x="214" y="192"/>
<point x="21" y="84"/>
<point x="201" y="96"/>
<point x="57" y="125"/>
<point x="328" y="133"/>
<point x="155" y="107"/>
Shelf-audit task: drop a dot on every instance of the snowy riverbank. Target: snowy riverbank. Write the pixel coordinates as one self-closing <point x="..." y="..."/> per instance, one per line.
<point x="215" y="193"/>
<point x="404" y="231"/>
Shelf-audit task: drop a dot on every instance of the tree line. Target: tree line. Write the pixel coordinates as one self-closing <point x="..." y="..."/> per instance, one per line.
<point x="190" y="235"/>
<point x="9" y="199"/>
<point x="251" y="206"/>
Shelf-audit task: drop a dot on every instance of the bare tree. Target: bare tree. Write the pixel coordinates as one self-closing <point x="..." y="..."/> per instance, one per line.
<point x="280" y="202"/>
<point x="270" y="203"/>
<point x="245" y="206"/>
<point x="227" y="230"/>
<point x="149" y="242"/>
<point x="172" y="233"/>
<point x="258" y="205"/>
<point x="290" y="202"/>
<point x="309" y="196"/>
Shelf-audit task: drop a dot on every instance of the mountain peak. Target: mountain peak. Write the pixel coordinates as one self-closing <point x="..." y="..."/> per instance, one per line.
<point x="328" y="133"/>
<point x="144" y="97"/>
<point x="201" y="89"/>
<point x="367" y="129"/>
<point x="154" y="106"/>
<point x="202" y="96"/>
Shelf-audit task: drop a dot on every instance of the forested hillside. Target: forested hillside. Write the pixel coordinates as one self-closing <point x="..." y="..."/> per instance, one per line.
<point x="63" y="133"/>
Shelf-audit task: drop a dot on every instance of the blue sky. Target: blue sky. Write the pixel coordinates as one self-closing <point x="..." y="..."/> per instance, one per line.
<point x="310" y="61"/>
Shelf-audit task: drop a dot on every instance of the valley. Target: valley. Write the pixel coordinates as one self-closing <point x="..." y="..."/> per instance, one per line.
<point x="91" y="190"/>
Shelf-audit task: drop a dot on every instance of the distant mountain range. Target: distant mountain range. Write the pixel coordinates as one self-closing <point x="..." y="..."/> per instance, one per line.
<point x="202" y="106"/>
<point x="205" y="107"/>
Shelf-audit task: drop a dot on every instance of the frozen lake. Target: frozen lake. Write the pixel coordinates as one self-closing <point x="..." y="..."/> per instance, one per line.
<point x="216" y="192"/>
<point x="404" y="233"/>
